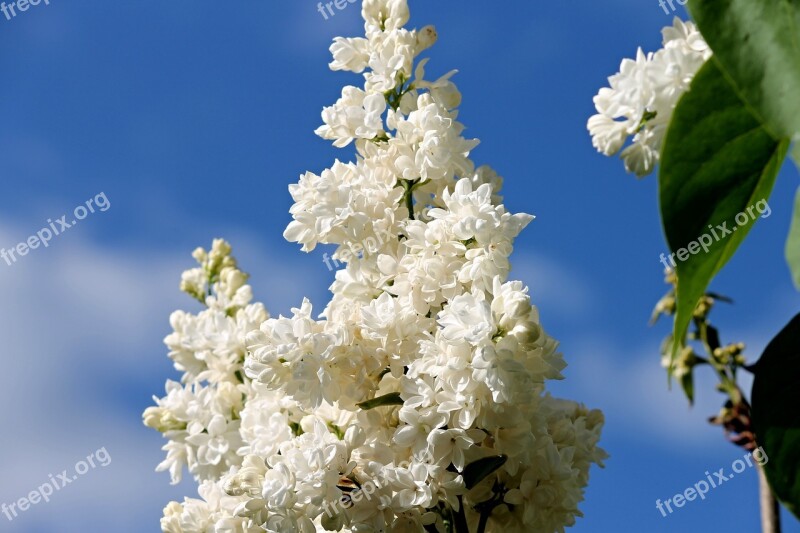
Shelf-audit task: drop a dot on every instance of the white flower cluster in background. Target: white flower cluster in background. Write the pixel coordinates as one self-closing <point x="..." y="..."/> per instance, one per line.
<point x="416" y="400"/>
<point x="643" y="95"/>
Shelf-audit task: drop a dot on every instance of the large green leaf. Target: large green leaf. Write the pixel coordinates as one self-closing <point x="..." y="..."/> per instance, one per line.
<point x="776" y="418"/>
<point x="393" y="398"/>
<point x="479" y="470"/>
<point x="717" y="161"/>
<point x="757" y="43"/>
<point x="793" y="242"/>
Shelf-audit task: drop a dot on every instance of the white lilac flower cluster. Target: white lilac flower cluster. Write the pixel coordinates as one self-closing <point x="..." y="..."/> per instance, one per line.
<point x="643" y="95"/>
<point x="416" y="400"/>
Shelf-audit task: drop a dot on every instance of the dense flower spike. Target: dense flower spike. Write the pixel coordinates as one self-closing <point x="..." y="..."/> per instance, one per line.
<point x="643" y="95"/>
<point x="426" y="362"/>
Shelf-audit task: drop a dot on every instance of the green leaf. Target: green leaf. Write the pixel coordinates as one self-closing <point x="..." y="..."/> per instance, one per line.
<point x="477" y="471"/>
<point x="757" y="44"/>
<point x="775" y="416"/>
<point x="793" y="242"/>
<point x="393" y="398"/>
<point x="687" y="384"/>
<point x="717" y="161"/>
<point x="796" y="151"/>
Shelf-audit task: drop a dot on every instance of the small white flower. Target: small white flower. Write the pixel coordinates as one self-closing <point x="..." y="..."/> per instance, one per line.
<point x="467" y="318"/>
<point x="216" y="442"/>
<point x="356" y="115"/>
<point x="350" y="54"/>
<point x="384" y="14"/>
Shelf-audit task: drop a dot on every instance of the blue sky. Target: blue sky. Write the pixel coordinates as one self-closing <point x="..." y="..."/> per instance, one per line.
<point x="193" y="118"/>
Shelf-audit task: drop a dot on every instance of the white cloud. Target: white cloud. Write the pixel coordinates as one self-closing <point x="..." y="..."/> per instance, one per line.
<point x="81" y="327"/>
<point x="554" y="287"/>
<point x="630" y="386"/>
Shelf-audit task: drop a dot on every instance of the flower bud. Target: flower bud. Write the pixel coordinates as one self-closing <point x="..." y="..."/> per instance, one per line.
<point x="199" y="255"/>
<point x="527" y="332"/>
<point x="161" y="419"/>
<point x="426" y="37"/>
<point x="447" y="94"/>
<point x="152" y="417"/>
<point x="355" y="437"/>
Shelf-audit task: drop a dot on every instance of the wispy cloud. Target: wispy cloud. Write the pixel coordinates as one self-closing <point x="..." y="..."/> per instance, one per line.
<point x="82" y="326"/>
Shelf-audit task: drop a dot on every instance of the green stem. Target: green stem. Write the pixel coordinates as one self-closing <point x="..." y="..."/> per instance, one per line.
<point x="410" y="203"/>
<point x="484" y="520"/>
<point x="408" y="196"/>
<point x="460" y="518"/>
<point x="727" y="381"/>
<point x="487" y="508"/>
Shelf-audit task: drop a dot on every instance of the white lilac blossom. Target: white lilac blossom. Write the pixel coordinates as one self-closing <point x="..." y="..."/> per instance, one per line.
<point x="642" y="97"/>
<point x="366" y="416"/>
